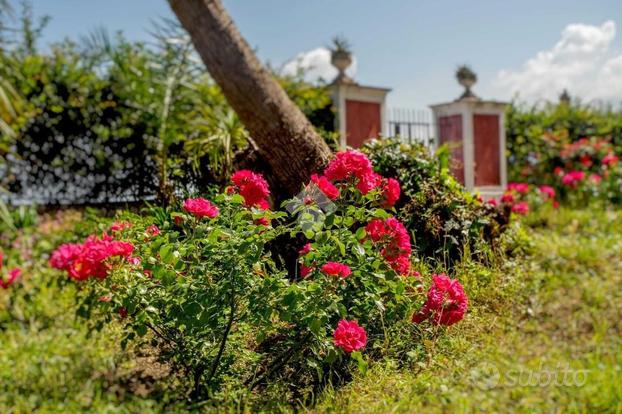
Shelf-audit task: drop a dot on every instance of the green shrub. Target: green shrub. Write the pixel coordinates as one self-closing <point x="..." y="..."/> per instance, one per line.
<point x="218" y="307"/>
<point x="106" y="119"/>
<point x="535" y="136"/>
<point x="444" y="220"/>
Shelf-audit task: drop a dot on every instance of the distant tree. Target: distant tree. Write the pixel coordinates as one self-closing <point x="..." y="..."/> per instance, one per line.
<point x="6" y="12"/>
<point x="284" y="138"/>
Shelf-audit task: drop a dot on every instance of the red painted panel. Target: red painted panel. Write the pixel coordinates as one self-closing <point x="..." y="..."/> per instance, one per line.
<point x="362" y="122"/>
<point x="450" y="133"/>
<point x="486" y="148"/>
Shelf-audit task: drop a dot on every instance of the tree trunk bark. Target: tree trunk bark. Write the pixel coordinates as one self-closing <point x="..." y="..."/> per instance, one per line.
<point x="285" y="138"/>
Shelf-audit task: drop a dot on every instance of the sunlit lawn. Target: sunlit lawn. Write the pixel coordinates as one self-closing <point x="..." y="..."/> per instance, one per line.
<point x="544" y="334"/>
<point x="553" y="344"/>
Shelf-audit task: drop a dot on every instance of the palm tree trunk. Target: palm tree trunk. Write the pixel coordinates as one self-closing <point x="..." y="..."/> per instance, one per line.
<point x="284" y="137"/>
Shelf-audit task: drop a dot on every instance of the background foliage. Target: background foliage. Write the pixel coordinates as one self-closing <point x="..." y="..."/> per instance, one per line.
<point x="104" y="119"/>
<point x="445" y="220"/>
<point x="92" y="113"/>
<point x="536" y="135"/>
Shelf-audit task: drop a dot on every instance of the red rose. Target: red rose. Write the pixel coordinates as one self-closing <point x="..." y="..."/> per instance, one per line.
<point x="521" y="208"/>
<point x="305" y="271"/>
<point x="573" y="178"/>
<point x="13" y="275"/>
<point x="262" y="221"/>
<point x="86" y="260"/>
<point x="120" y="226"/>
<point x="325" y="186"/>
<point x="253" y="187"/>
<point x="610" y="159"/>
<point x="390" y="192"/>
<point x="200" y="207"/>
<point x="586" y="160"/>
<point x="521" y="188"/>
<point x="394" y="241"/>
<point x="401" y="265"/>
<point x="391" y="235"/>
<point x="336" y="269"/>
<point x="64" y="255"/>
<point x="349" y="336"/>
<point x="548" y="191"/>
<point x="119" y="248"/>
<point x="353" y="166"/>
<point x="446" y="304"/>
<point x="263" y="205"/>
<point x="348" y="164"/>
<point x="368" y="182"/>
<point x="508" y="198"/>
<point x="153" y="230"/>
<point x="305" y="249"/>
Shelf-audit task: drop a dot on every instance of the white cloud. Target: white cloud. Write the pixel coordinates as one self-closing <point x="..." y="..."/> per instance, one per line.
<point x="581" y="61"/>
<point x="316" y="64"/>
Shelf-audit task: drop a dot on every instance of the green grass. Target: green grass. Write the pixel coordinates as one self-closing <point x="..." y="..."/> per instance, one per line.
<point x="560" y="313"/>
<point x="558" y="308"/>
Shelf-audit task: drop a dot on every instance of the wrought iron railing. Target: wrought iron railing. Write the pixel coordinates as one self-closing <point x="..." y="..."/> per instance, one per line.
<point x="412" y="125"/>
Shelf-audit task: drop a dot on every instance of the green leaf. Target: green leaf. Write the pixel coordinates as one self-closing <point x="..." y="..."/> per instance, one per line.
<point x="361" y="362"/>
<point x="141" y="330"/>
<point x="358" y="250"/>
<point x="380" y="213"/>
<point x="340" y="245"/>
<point x="331" y="356"/>
<point x="343" y="312"/>
<point x="315" y="326"/>
<point x="237" y="199"/>
<point x="361" y="233"/>
<point x="166" y="253"/>
<point x="330" y="220"/>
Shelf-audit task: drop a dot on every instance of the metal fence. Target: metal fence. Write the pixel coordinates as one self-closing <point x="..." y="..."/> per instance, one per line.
<point x="412" y="125"/>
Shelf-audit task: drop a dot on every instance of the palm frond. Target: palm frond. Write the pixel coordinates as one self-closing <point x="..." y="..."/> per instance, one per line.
<point x="98" y="42"/>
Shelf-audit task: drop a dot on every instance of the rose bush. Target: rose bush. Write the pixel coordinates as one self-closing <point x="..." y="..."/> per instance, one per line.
<point x="199" y="284"/>
<point x="445" y="220"/>
<point x="573" y="148"/>
<point x="25" y="277"/>
<point x="588" y="171"/>
<point x="8" y="276"/>
<point x="536" y="137"/>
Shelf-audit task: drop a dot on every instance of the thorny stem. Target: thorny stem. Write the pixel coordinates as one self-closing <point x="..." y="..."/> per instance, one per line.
<point x="282" y="360"/>
<point x="225" y="335"/>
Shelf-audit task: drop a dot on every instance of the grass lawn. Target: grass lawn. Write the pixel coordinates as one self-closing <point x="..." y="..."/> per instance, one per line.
<point x="546" y="336"/>
<point x="543" y="334"/>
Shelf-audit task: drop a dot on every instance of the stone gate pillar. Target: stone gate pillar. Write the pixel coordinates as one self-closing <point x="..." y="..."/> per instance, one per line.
<point x="474" y="130"/>
<point x="359" y="110"/>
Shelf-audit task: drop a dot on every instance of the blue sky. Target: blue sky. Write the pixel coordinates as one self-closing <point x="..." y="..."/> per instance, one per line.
<point x="413" y="47"/>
